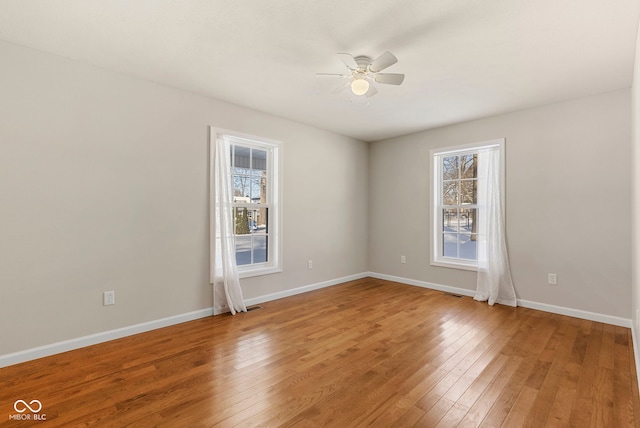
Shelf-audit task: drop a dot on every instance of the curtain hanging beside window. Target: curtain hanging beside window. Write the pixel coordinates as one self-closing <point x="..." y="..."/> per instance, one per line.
<point x="494" y="283"/>
<point x="224" y="275"/>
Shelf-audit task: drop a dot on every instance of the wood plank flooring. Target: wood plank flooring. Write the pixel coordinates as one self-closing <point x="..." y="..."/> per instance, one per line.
<point x="364" y="353"/>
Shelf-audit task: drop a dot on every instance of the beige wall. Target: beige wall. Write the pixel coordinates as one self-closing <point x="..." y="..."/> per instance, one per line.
<point x="635" y="198"/>
<point x="567" y="206"/>
<point x="103" y="186"/>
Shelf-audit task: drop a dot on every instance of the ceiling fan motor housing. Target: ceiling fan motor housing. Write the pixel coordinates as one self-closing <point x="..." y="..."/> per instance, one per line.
<point x="363" y="62"/>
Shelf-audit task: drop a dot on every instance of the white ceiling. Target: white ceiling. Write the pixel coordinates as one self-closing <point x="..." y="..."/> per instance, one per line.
<point x="463" y="59"/>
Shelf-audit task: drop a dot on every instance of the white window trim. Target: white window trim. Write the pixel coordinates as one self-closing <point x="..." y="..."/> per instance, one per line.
<point x="435" y="237"/>
<point x="274" y="265"/>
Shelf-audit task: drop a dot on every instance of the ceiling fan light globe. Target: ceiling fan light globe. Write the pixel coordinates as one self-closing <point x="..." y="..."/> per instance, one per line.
<point x="359" y="86"/>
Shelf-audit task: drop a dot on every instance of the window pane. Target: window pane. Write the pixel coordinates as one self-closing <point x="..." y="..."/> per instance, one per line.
<point x="450" y="244"/>
<point x="469" y="166"/>
<point x="259" y="159"/>
<point x="466" y="220"/>
<point x="258" y="187"/>
<point x="241" y="190"/>
<point x="459" y="245"/>
<point x="243" y="250"/>
<point x="468" y="246"/>
<point x="252" y="220"/>
<point x="468" y="192"/>
<point x="450" y="193"/>
<point x="449" y="220"/>
<point x="450" y="168"/>
<point x="241" y="157"/>
<point x="262" y="220"/>
<point x="260" y="248"/>
<point x="242" y="217"/>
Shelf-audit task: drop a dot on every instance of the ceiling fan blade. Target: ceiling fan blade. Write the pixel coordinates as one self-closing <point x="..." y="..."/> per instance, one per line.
<point x="348" y="60"/>
<point x="371" y="92"/>
<point x="389" y="78"/>
<point x="385" y="60"/>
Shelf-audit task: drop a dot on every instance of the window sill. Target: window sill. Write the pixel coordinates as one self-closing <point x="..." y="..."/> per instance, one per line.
<point x="454" y="265"/>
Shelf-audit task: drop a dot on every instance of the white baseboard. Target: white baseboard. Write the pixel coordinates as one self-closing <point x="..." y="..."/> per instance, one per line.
<point x="636" y="351"/>
<point x="93" y="339"/>
<point x="576" y="313"/>
<point x="81" y="342"/>
<point x="561" y="310"/>
<point x="303" y="289"/>
<point x="423" y="284"/>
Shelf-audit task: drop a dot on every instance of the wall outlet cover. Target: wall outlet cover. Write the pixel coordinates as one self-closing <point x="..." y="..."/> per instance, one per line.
<point x="109" y="298"/>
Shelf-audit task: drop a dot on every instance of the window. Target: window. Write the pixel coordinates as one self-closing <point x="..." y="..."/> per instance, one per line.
<point x="457" y="205"/>
<point x="255" y="182"/>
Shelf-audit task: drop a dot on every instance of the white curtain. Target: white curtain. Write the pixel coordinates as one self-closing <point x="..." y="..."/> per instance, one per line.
<point x="494" y="275"/>
<point x="224" y="271"/>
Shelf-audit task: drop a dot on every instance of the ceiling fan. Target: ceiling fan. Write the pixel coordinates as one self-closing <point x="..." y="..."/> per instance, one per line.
<point x="363" y="70"/>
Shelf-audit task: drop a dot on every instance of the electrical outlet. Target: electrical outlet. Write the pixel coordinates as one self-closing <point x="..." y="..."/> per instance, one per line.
<point x="552" y="279"/>
<point x="310" y="264"/>
<point x="403" y="259"/>
<point x="108" y="298"/>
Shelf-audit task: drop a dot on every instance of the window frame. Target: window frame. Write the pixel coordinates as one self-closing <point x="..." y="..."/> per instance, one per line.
<point x="273" y="199"/>
<point x="437" y="257"/>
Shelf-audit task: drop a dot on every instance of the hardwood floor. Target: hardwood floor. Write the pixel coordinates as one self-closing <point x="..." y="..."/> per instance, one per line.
<point x="364" y="353"/>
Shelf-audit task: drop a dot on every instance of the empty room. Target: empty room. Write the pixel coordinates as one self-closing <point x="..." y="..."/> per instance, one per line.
<point x="319" y="214"/>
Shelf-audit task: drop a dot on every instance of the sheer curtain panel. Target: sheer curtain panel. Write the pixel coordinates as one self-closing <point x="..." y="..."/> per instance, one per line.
<point x="494" y="274"/>
<point x="223" y="269"/>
